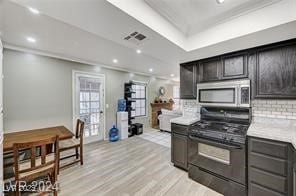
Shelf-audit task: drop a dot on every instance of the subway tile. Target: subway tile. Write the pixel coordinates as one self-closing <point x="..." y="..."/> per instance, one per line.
<point x="291" y="110"/>
<point x="282" y="102"/>
<point x="271" y="102"/>
<point x="287" y="106"/>
<point x="287" y="113"/>
<point x="276" y="113"/>
<point x="281" y="116"/>
<point x="291" y="101"/>
<point x="281" y="109"/>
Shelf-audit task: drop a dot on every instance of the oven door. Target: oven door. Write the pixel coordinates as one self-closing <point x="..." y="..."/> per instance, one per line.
<point x="225" y="160"/>
<point x="218" y="96"/>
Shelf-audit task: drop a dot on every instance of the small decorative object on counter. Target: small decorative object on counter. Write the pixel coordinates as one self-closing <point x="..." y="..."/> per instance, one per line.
<point x="113" y="134"/>
<point x="156" y="100"/>
<point x="121" y="105"/>
<point x="171" y="100"/>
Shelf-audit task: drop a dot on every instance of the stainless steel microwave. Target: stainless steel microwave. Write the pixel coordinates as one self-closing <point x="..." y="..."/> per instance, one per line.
<point x="235" y="93"/>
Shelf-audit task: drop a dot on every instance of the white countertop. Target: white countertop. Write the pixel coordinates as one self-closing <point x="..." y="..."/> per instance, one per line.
<point x="274" y="129"/>
<point x="185" y="120"/>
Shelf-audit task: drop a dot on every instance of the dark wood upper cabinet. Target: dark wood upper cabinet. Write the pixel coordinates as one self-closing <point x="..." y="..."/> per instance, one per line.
<point x="188" y="80"/>
<point x="271" y="69"/>
<point x="234" y="66"/>
<point x="210" y="69"/>
<point x="276" y="71"/>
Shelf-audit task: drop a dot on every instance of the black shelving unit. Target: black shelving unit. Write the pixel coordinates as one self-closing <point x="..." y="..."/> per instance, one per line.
<point x="128" y="91"/>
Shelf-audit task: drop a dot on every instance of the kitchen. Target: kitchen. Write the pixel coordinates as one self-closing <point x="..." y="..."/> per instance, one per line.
<point x="242" y="141"/>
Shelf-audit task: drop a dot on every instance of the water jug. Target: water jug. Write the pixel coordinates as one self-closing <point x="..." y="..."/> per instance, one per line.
<point x="113" y="134"/>
<point x="121" y="105"/>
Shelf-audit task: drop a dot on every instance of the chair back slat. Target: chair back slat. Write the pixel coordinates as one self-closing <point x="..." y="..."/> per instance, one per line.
<point x="33" y="156"/>
<point x="79" y="129"/>
<point x="42" y="156"/>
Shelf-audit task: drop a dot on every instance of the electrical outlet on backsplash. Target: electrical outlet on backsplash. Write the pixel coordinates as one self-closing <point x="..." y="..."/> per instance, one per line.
<point x="283" y="109"/>
<point x="190" y="108"/>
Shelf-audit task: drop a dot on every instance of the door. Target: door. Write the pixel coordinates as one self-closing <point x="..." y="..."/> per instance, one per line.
<point x="1" y="114"/>
<point x="234" y="66"/>
<point x="276" y="72"/>
<point x="210" y="69"/>
<point x="221" y="159"/>
<point x="179" y="150"/>
<point x="89" y="104"/>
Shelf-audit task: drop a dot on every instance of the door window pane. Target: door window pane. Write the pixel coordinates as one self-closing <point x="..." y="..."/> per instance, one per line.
<point x="89" y="103"/>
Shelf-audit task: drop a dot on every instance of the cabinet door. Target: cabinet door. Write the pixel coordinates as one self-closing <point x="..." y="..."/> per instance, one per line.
<point x="179" y="150"/>
<point x="210" y="69"/>
<point x="269" y="167"/>
<point x="234" y="66"/>
<point x="276" y="72"/>
<point x="188" y="80"/>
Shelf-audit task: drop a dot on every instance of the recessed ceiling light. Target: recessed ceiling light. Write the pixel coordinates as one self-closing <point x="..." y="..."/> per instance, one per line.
<point x="115" y="61"/>
<point x="172" y="75"/>
<point x="31" y="39"/>
<point x="139" y="51"/>
<point x="220" y="1"/>
<point x="33" y="10"/>
<point x="150" y="70"/>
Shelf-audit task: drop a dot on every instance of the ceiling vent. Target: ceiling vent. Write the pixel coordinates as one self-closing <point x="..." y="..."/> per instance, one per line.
<point x="136" y="38"/>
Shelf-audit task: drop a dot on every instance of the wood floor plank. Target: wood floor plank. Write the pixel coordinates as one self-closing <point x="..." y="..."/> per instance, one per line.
<point x="132" y="167"/>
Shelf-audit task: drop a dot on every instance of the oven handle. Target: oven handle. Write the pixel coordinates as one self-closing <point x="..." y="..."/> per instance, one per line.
<point x="215" y="143"/>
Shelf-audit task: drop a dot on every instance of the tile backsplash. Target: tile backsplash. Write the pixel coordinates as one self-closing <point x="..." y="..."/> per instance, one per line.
<point x="284" y="109"/>
<point x="190" y="107"/>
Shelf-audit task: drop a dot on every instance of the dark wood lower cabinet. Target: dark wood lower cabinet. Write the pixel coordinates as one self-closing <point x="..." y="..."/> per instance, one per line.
<point x="179" y="146"/>
<point x="270" y="168"/>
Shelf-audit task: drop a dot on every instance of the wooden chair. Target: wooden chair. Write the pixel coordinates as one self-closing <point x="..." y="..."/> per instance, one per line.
<point x="73" y="143"/>
<point x="45" y="164"/>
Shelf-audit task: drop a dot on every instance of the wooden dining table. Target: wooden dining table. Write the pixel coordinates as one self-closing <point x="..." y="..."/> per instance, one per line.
<point x="34" y="135"/>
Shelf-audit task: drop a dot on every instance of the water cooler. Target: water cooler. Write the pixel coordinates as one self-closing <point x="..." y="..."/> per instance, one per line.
<point x="122" y="124"/>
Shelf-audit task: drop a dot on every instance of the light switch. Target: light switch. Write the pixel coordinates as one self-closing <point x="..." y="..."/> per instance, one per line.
<point x="107" y="105"/>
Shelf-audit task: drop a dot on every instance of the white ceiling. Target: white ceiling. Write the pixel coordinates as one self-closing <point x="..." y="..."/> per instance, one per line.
<point x="92" y="31"/>
<point x="216" y="25"/>
<point x="88" y="31"/>
<point x="193" y="16"/>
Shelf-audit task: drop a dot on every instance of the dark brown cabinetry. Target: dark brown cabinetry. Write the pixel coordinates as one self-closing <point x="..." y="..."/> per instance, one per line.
<point x="179" y="145"/>
<point x="276" y="71"/>
<point x="271" y="69"/>
<point x="234" y="66"/>
<point x="270" y="166"/>
<point x="210" y="69"/>
<point x="188" y="80"/>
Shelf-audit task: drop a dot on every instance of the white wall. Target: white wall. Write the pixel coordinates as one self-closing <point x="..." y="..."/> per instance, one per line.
<point x="38" y="91"/>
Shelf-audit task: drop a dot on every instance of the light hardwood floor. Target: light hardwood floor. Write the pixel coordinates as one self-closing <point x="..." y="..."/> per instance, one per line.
<point x="130" y="167"/>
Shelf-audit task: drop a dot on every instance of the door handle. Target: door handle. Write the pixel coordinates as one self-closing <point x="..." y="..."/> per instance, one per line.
<point x="101" y="112"/>
<point x="217" y="144"/>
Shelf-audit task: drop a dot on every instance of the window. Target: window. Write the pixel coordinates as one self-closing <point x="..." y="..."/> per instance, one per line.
<point x="139" y="96"/>
<point x="176" y="96"/>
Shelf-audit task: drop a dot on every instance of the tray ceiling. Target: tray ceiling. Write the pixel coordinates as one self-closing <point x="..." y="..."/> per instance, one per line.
<point x="193" y="16"/>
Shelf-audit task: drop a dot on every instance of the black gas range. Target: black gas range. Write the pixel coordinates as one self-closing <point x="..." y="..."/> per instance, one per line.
<point x="224" y="132"/>
<point x="217" y="147"/>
